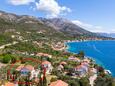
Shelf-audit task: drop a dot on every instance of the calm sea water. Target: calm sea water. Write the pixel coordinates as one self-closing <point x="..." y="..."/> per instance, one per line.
<point x="102" y="51"/>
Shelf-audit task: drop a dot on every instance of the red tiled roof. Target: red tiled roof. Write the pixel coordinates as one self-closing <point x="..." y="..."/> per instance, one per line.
<point x="29" y="67"/>
<point x="46" y="62"/>
<point x="9" y="84"/>
<point x="19" y="67"/>
<point x="58" y="83"/>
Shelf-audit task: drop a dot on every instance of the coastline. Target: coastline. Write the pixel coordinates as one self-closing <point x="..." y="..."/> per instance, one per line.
<point x="69" y="41"/>
<point x="96" y="61"/>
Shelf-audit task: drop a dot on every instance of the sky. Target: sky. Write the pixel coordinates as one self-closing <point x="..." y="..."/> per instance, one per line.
<point x="93" y="15"/>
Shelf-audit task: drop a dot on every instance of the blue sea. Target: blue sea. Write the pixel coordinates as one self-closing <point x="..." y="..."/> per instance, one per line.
<point x="103" y="52"/>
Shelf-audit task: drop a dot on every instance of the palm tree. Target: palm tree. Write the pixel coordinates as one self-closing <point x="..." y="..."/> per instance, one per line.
<point x="44" y="81"/>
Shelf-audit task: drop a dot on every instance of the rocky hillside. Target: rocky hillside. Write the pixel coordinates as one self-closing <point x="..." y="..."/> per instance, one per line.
<point x="65" y="26"/>
<point x="26" y="27"/>
<point x="59" y="24"/>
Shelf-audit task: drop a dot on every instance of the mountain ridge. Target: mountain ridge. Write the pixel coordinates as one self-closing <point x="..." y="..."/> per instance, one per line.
<point x="53" y="26"/>
<point x="107" y="34"/>
<point x="54" y="22"/>
<point x="65" y="25"/>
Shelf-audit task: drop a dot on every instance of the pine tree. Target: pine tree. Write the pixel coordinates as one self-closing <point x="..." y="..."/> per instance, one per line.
<point x="40" y="82"/>
<point x="44" y="81"/>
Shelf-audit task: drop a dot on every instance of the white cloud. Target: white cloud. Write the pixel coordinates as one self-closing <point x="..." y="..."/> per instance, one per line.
<point x="89" y="27"/>
<point x="20" y="2"/>
<point x="51" y="8"/>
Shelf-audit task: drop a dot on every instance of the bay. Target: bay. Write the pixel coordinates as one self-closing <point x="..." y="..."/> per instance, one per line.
<point x="103" y="52"/>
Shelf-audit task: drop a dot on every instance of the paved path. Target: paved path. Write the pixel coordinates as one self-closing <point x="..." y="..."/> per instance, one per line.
<point x="3" y="46"/>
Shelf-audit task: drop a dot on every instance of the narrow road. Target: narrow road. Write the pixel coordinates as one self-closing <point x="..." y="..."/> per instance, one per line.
<point x="9" y="44"/>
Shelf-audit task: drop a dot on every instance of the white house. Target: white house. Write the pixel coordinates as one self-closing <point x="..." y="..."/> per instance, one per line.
<point x="25" y="69"/>
<point x="34" y="73"/>
<point x="48" y="66"/>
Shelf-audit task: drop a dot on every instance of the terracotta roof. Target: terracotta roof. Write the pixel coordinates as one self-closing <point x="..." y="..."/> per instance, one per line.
<point x="46" y="62"/>
<point x="58" y="83"/>
<point x="19" y="67"/>
<point x="9" y="84"/>
<point x="29" y="67"/>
